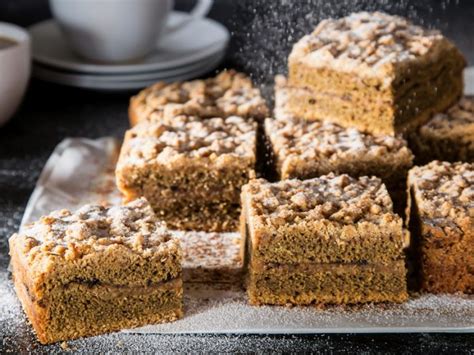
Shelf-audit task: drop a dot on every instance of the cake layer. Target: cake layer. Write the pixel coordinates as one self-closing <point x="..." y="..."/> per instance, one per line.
<point x="329" y="219"/>
<point x="442" y="258"/>
<point x="374" y="114"/>
<point x="173" y="188"/>
<point x="221" y="217"/>
<point x="322" y="242"/>
<point x="364" y="89"/>
<point x="435" y="268"/>
<point x="307" y="284"/>
<point x="121" y="245"/>
<point x="87" y="309"/>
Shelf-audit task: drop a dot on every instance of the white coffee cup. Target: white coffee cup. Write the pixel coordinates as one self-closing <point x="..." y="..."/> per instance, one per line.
<point x="15" y="67"/>
<point x="118" y="30"/>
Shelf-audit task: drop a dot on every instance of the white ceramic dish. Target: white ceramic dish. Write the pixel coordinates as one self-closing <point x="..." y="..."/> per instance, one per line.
<point x="15" y="66"/>
<point x="112" y="31"/>
<point x="105" y="84"/>
<point x="156" y="75"/>
<point x="196" y="41"/>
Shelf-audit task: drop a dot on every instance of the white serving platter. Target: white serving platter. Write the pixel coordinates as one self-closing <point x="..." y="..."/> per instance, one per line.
<point x="81" y="171"/>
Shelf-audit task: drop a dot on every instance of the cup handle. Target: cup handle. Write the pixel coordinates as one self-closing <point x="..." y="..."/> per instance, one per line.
<point x="199" y="11"/>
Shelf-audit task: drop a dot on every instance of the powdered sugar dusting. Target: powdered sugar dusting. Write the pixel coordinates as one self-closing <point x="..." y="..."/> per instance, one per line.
<point x="211" y="309"/>
<point x="274" y="26"/>
<point x="9" y="304"/>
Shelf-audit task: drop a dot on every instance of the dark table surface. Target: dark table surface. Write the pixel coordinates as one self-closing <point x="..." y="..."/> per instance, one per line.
<point x="50" y="113"/>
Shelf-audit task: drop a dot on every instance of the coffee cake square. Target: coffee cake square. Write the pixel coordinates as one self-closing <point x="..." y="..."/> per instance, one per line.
<point x="332" y="239"/>
<point x="442" y="225"/>
<point x="97" y="270"/>
<point x="190" y="169"/>
<point x="448" y="136"/>
<point x="377" y="72"/>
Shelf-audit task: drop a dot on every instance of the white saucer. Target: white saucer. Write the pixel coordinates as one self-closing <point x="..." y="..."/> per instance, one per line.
<point x="197" y="41"/>
<point x="111" y="83"/>
<point x="152" y="75"/>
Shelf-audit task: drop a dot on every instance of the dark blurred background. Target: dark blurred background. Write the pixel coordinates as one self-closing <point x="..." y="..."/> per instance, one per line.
<point x="263" y="30"/>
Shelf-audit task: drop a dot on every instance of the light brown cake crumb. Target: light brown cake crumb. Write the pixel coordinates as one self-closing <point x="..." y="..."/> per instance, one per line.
<point x="190" y="169"/>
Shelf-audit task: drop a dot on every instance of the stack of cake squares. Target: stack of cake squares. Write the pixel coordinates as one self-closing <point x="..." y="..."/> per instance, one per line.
<point x="193" y="146"/>
<point x="373" y="79"/>
<point x="361" y="91"/>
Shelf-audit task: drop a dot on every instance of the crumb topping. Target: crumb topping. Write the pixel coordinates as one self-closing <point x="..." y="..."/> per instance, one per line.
<point x="175" y="138"/>
<point x="370" y="40"/>
<point x="293" y="137"/>
<point x="338" y="198"/>
<point x="444" y="190"/>
<point x="229" y="93"/>
<point x="458" y="121"/>
<point x="310" y="140"/>
<point x="94" y="228"/>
